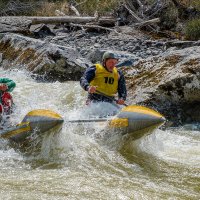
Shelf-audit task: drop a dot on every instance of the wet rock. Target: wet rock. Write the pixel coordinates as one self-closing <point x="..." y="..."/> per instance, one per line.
<point x="96" y="55"/>
<point x="90" y="41"/>
<point x="41" y="30"/>
<point x="137" y="47"/>
<point x="148" y="52"/>
<point x="168" y="82"/>
<point x="52" y="61"/>
<point x="14" y="24"/>
<point x="1" y="55"/>
<point x="124" y="57"/>
<point x="97" y="45"/>
<point x="182" y="44"/>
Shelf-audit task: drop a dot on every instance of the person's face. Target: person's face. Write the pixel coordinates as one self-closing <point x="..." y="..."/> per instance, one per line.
<point x="110" y="64"/>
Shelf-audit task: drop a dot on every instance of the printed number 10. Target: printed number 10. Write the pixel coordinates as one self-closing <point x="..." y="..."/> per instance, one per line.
<point x="109" y="80"/>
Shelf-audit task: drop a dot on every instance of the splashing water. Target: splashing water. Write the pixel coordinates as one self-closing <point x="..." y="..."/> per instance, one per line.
<point x="89" y="162"/>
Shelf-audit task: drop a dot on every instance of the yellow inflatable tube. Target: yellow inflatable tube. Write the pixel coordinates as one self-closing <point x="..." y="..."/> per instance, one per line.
<point x="37" y="121"/>
<point x="133" y="118"/>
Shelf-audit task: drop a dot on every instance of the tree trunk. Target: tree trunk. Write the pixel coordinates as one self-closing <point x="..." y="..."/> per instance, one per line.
<point x="71" y="19"/>
<point x="64" y="19"/>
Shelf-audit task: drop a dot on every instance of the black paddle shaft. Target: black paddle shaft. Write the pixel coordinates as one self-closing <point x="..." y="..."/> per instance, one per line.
<point x="108" y="97"/>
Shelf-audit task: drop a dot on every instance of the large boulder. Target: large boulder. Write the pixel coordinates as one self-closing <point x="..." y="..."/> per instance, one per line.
<point x="51" y="61"/>
<point x="170" y="83"/>
<point x="14" y="24"/>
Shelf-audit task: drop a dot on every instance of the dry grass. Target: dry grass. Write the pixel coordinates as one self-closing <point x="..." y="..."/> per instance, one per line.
<point x="48" y="8"/>
<point x="101" y="6"/>
<point x="87" y="7"/>
<point x="194" y="3"/>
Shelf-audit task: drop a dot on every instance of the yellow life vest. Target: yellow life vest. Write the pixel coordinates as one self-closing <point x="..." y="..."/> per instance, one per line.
<point x="106" y="82"/>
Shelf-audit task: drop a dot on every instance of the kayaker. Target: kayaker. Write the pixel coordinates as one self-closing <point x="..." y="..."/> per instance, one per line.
<point x="103" y="81"/>
<point x="6" y="86"/>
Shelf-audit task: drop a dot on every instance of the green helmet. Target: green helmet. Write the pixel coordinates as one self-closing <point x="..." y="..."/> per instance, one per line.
<point x="108" y="55"/>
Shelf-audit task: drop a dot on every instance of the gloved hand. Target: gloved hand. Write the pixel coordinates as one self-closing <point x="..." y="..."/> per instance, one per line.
<point x="92" y="89"/>
<point x="3" y="87"/>
<point x="120" y="101"/>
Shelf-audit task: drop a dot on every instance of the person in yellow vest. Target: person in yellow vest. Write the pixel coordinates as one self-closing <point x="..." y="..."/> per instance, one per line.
<point x="104" y="81"/>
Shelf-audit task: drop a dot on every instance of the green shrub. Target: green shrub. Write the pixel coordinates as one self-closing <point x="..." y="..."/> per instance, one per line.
<point x="192" y="30"/>
<point x="196" y="4"/>
<point x="168" y="18"/>
<point x="101" y="6"/>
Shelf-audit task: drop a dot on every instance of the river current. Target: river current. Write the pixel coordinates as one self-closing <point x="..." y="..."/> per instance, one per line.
<point x="79" y="163"/>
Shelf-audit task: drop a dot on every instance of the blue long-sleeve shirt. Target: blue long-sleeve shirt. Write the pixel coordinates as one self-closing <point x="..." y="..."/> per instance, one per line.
<point x="89" y="75"/>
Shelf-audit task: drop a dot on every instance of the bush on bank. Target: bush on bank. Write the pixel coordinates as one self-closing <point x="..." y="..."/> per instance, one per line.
<point x="192" y="30"/>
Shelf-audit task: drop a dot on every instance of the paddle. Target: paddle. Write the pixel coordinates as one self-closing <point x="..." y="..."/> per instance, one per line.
<point x="88" y="120"/>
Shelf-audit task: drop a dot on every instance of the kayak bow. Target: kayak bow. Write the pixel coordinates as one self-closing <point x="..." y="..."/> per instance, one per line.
<point x="36" y="121"/>
<point x="130" y="119"/>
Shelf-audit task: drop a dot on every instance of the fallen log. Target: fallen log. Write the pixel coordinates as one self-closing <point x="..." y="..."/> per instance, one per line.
<point x="71" y="19"/>
<point x="21" y="24"/>
<point x="58" y="19"/>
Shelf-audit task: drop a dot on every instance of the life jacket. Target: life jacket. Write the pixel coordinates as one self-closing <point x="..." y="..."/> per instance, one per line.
<point x="106" y="82"/>
<point x="6" y="103"/>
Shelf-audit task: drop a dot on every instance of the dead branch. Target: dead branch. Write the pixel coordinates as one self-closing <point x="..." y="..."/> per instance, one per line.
<point x="75" y="10"/>
<point x="157" y="7"/>
<point x="132" y="5"/>
<point x="141" y="8"/>
<point x="139" y="3"/>
<point x="138" y="19"/>
<point x="146" y="23"/>
<point x="78" y="4"/>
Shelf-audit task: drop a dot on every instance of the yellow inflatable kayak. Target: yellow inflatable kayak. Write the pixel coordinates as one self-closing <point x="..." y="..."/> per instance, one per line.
<point x="36" y="121"/>
<point x="130" y="119"/>
<point x="136" y="118"/>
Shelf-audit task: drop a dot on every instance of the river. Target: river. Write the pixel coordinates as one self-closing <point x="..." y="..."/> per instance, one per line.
<point x="77" y="164"/>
